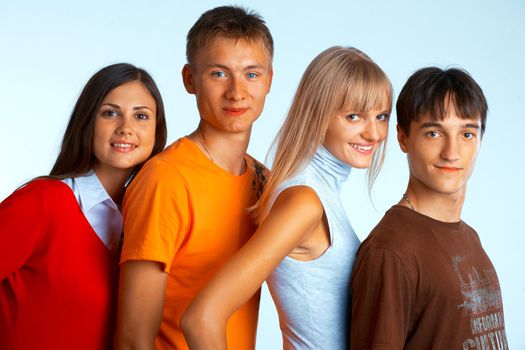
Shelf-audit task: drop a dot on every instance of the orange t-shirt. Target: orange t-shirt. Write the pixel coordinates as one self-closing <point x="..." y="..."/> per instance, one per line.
<point x="187" y="213"/>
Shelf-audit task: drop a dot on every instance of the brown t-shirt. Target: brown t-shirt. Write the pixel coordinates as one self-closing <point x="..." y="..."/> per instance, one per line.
<point x="419" y="283"/>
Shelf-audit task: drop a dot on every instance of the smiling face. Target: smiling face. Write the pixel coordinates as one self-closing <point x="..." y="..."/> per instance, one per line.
<point x="124" y="132"/>
<point x="441" y="154"/>
<point x="230" y="79"/>
<point x="353" y="137"/>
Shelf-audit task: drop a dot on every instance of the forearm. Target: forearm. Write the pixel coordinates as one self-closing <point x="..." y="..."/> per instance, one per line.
<point x="204" y="321"/>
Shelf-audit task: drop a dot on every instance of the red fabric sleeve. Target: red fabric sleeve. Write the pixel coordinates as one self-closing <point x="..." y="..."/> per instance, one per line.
<point x="382" y="296"/>
<point x="21" y="225"/>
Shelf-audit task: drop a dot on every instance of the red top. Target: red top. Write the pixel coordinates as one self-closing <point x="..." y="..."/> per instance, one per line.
<point x="57" y="278"/>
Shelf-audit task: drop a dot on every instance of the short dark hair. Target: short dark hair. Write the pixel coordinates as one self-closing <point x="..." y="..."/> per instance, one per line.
<point x="231" y="22"/>
<point x="429" y="90"/>
<point x="76" y="154"/>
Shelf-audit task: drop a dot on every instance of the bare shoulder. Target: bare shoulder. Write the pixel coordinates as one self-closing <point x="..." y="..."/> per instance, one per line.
<point x="301" y="199"/>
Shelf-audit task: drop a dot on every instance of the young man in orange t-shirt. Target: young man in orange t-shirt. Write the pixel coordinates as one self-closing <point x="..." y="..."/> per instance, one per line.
<point x="186" y="212"/>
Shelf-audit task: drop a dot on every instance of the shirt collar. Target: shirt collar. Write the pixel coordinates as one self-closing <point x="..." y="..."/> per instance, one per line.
<point x="332" y="170"/>
<point x="91" y="192"/>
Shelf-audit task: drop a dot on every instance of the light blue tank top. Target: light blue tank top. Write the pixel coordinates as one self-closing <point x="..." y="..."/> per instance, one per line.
<point x="312" y="297"/>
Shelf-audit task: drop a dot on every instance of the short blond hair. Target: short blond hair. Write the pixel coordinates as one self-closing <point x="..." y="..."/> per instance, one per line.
<point x="231" y="22"/>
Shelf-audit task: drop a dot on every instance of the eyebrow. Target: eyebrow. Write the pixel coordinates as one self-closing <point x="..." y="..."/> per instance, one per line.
<point x="355" y="111"/>
<point x="473" y="126"/>
<point x="134" y="108"/>
<point x="222" y="66"/>
<point x="430" y="125"/>
<point x="439" y="125"/>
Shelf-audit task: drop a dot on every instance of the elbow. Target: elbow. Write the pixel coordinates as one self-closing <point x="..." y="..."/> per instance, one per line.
<point x="129" y="341"/>
<point x="190" y="322"/>
<point x="202" y="328"/>
<point x="123" y="343"/>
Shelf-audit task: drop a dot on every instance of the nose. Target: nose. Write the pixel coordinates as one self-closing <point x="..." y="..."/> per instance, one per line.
<point x="236" y="89"/>
<point x="371" y="132"/>
<point x="450" y="149"/>
<point x="125" y="127"/>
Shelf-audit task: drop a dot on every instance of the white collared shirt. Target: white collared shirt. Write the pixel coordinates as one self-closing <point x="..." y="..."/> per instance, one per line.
<point x="101" y="212"/>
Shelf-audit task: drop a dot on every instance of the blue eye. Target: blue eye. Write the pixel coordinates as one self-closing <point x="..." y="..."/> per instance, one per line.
<point x="252" y="75"/>
<point x="218" y="74"/>
<point x="382" y="117"/>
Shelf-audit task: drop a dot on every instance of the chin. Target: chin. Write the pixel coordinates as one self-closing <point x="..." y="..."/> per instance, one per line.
<point x="448" y="190"/>
<point x="359" y="165"/>
<point x="125" y="166"/>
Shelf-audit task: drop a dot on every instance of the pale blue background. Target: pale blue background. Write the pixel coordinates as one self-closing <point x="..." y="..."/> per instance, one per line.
<point x="48" y="50"/>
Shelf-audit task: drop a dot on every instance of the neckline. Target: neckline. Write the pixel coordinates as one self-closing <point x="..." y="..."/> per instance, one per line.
<point x="92" y="192"/>
<point x="212" y="165"/>
<point x="333" y="170"/>
<point x="70" y="196"/>
<point x="453" y="226"/>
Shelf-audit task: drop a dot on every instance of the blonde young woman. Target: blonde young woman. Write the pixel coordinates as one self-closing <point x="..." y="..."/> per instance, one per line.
<point x="305" y="246"/>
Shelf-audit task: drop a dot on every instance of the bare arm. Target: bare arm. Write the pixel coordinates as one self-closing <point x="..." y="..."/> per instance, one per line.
<point x="294" y="216"/>
<point x="141" y="300"/>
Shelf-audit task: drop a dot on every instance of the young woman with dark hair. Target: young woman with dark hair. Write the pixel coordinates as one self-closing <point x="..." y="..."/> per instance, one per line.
<point x="59" y="234"/>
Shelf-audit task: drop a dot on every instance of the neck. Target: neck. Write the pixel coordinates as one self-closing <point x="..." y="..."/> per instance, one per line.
<point x="113" y="182"/>
<point x="226" y="150"/>
<point x="439" y="206"/>
<point x="333" y="170"/>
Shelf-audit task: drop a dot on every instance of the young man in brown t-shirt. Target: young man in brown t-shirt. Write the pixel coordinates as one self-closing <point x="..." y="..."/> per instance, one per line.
<point x="422" y="279"/>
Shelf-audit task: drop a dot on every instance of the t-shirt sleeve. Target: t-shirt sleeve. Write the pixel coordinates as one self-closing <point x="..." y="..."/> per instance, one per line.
<point x="382" y="294"/>
<point x="156" y="212"/>
<point x="22" y="222"/>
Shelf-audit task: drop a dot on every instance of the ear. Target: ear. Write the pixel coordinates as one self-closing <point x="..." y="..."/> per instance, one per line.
<point x="402" y="139"/>
<point x="187" y="78"/>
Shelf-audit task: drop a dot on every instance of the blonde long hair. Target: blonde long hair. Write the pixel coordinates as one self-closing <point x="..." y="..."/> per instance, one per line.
<point x="337" y="78"/>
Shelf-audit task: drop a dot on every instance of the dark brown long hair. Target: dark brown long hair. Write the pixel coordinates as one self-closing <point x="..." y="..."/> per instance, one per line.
<point x="76" y="154"/>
